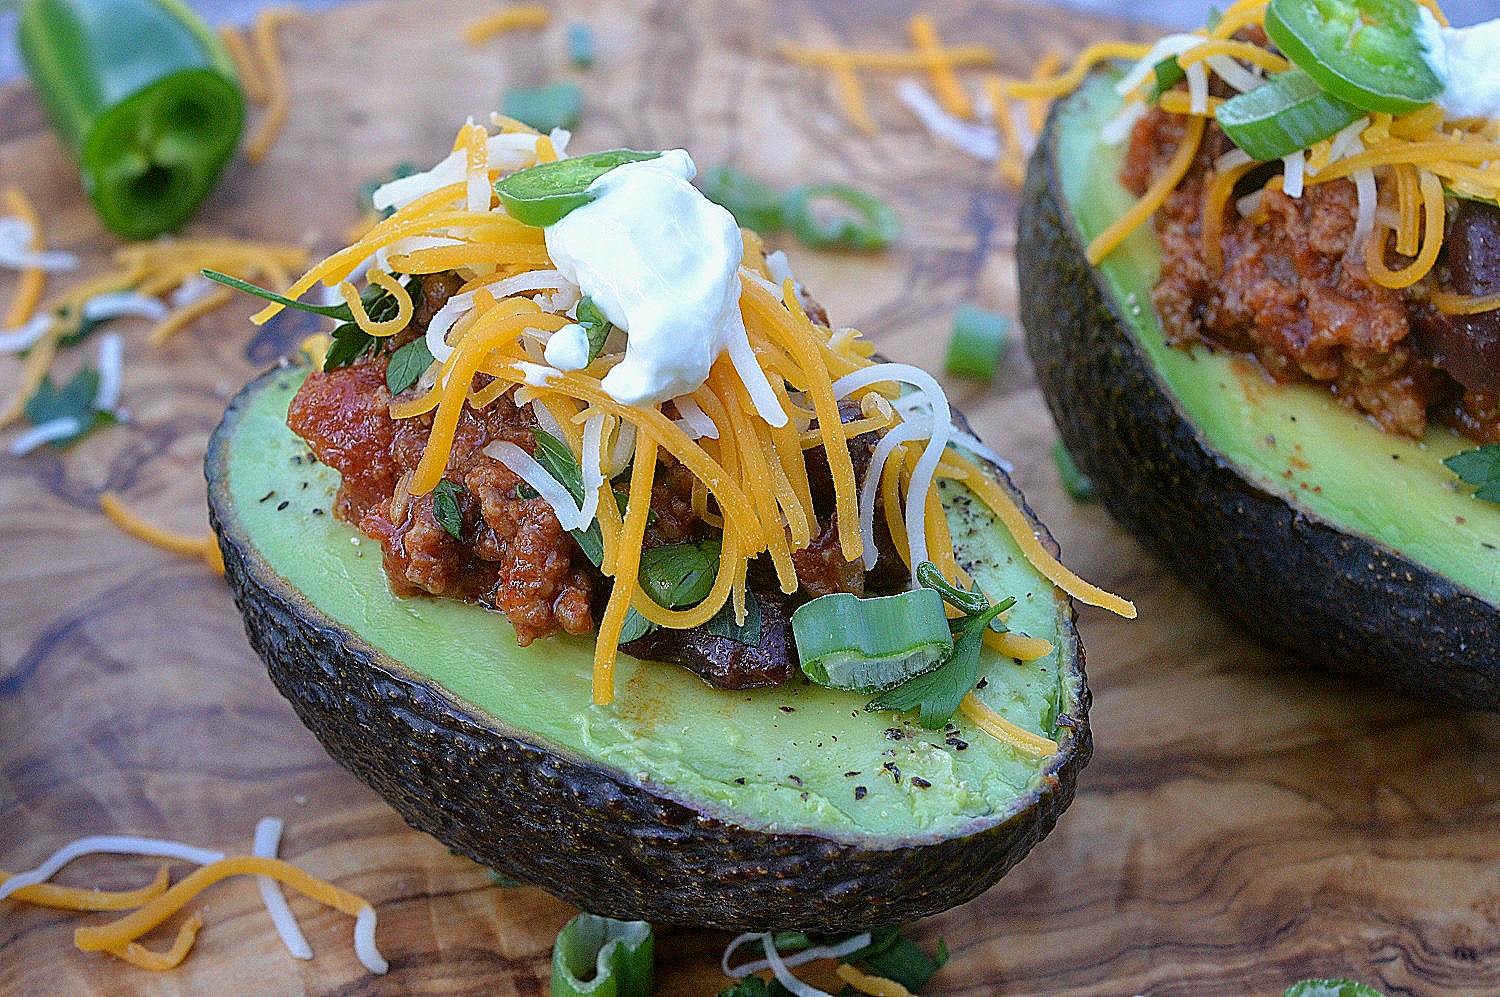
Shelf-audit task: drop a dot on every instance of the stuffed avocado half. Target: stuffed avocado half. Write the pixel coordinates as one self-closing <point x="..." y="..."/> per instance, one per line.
<point x="677" y="802"/>
<point x="1325" y="536"/>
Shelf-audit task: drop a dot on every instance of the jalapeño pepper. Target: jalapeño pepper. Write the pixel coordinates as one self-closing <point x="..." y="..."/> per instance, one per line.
<point x="145" y="97"/>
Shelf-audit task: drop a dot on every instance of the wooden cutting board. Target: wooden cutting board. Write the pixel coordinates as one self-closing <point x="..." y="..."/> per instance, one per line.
<point x="1245" y="822"/>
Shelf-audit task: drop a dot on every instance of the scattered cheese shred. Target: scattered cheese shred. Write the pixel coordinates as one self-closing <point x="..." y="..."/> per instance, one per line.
<point x="950" y="92"/>
<point x="79" y="898"/>
<point x="206" y="548"/>
<point x="1462" y="304"/>
<point x="33" y="279"/>
<point x="530" y="15"/>
<point x="115" y="936"/>
<point x="138" y="955"/>
<point x="251" y="76"/>
<point x="1057" y="86"/>
<point x="278" y="102"/>
<point x="867" y="983"/>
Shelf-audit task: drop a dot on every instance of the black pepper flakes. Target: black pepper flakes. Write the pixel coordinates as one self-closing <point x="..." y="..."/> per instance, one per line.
<point x="787" y="709"/>
<point x="894" y="771"/>
<point x="958" y="743"/>
<point x="859" y="792"/>
<point x="317" y="512"/>
<point x="920" y="783"/>
<point x="894" y="734"/>
<point x="982" y="683"/>
<point x="796" y="779"/>
<point x="850" y="775"/>
<point x="280" y="506"/>
<point x="740" y="781"/>
<point x="268" y="495"/>
<point x="297" y="460"/>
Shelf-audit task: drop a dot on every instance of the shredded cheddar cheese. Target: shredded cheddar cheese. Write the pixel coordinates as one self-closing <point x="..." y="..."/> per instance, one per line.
<point x="867" y="983"/>
<point x="78" y="898"/>
<point x="278" y="101"/>
<point x="33" y="279"/>
<point x="971" y="708"/>
<point x="530" y="15"/>
<point x="140" y="956"/>
<point x="206" y="548"/>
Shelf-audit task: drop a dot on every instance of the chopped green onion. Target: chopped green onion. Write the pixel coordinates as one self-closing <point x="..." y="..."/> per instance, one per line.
<point x="1331" y="988"/>
<point x="580" y="45"/>
<point x="1079" y="486"/>
<point x="556" y="105"/>
<point x="543" y="195"/>
<point x="935" y="694"/>
<point x="754" y="204"/>
<point x="867" y="645"/>
<point x="1168" y="73"/>
<point x="1289" y="113"/>
<point x="976" y="343"/>
<point x="837" y="215"/>
<point x="601" y="957"/>
<point x="969" y="603"/>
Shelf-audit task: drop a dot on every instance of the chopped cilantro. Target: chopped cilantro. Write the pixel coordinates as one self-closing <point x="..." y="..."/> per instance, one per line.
<point x="446" y="509"/>
<point x="1479" y="467"/>
<point x="407" y="366"/>
<point x="74" y="400"/>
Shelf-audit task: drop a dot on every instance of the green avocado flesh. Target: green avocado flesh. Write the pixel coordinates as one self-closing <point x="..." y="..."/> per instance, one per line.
<point x="782" y="759"/>
<point x="1295" y="441"/>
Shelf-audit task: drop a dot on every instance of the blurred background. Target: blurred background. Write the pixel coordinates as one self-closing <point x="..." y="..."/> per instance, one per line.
<point x="1167" y="13"/>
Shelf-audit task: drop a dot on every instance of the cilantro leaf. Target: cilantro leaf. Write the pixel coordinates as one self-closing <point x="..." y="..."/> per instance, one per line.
<point x="723" y="624"/>
<point x="350" y="342"/>
<point x="407" y="366"/>
<point x="1167" y="74"/>
<point x="595" y="326"/>
<point x="1479" y="467"/>
<point x="754" y="986"/>
<point x="74" y="400"/>
<point x="445" y="506"/>
<point x="635" y="626"/>
<point x="895" y="957"/>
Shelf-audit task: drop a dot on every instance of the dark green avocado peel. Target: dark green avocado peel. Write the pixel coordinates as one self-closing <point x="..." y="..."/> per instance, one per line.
<point x="1322" y="535"/>
<point x="677" y="804"/>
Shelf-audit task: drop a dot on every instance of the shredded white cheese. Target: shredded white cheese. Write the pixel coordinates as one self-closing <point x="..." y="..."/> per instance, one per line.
<point x="979" y="141"/>
<point x="107" y="844"/>
<point x="525" y="466"/>
<point x="25" y="337"/>
<point x="120" y="304"/>
<point x="111" y="372"/>
<point x="47" y="432"/>
<point x="267" y="845"/>
<point x="16" y="237"/>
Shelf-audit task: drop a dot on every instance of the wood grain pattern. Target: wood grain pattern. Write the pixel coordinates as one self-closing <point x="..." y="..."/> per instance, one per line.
<point x="1245" y="822"/>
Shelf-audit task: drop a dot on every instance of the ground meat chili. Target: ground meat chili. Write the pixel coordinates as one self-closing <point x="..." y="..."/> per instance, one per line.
<point x="1293" y="293"/>
<point x="511" y="554"/>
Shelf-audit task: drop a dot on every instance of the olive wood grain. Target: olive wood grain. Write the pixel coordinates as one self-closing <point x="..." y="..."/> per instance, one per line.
<point x="1245" y="823"/>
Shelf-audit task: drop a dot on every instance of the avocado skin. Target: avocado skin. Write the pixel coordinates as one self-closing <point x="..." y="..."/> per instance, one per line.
<point x="573" y="827"/>
<point x="1292" y="579"/>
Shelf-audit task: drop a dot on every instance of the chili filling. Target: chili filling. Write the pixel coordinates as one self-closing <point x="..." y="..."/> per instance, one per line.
<point x="511" y="554"/>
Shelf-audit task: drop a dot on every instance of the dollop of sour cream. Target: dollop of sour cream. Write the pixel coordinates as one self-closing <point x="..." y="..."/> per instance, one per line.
<point x="661" y="261"/>
<point x="1466" y="60"/>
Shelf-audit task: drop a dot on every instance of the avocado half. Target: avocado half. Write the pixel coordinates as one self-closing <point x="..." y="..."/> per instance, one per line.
<point x="676" y="804"/>
<point x="1322" y="534"/>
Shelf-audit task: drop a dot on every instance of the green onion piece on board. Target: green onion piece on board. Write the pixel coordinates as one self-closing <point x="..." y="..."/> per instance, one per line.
<point x="869" y="645"/>
<point x="755" y="205"/>
<point x="976" y="342"/>
<point x="144" y="96"/>
<point x="580" y="45"/>
<point x="1079" y="486"/>
<point x="1289" y="113"/>
<point x="601" y="957"/>
<point x="543" y="195"/>
<point x="556" y="105"/>
<point x="836" y="215"/>
<point x="1371" y="53"/>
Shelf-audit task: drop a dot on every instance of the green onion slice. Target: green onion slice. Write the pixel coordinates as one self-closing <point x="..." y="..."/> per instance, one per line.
<point x="543" y="195"/>
<point x="1289" y="113"/>
<point x="556" y="105"/>
<point x="868" y="645"/>
<point x="755" y="205"/>
<point x="837" y="215"/>
<point x="1079" y="486"/>
<point x="976" y="343"/>
<point x="601" y="957"/>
